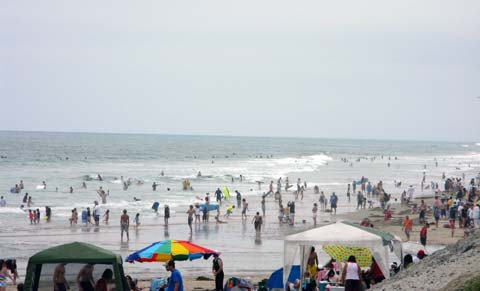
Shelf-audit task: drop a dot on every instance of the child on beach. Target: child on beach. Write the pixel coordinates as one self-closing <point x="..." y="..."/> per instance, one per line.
<point x="407" y="226"/>
<point x="4" y="274"/>
<point x="30" y="216"/>
<point x="106" y="216"/>
<point x="423" y="234"/>
<point x="137" y="220"/>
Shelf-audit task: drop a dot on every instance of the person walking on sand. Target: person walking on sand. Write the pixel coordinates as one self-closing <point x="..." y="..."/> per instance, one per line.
<point x="244" y="208"/>
<point x="333" y="202"/>
<point x="217" y="269"/>
<point x="407" y="226"/>
<point x="423" y="235"/>
<point x="314" y="213"/>
<point x="124" y="224"/>
<point x="190" y="213"/>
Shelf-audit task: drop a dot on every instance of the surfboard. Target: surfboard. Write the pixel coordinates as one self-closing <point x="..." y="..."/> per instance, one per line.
<point x="211" y="207"/>
<point x="226" y="193"/>
<point x="40" y="187"/>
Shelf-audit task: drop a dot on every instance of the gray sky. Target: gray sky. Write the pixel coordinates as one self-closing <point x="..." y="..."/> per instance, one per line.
<point x="352" y="69"/>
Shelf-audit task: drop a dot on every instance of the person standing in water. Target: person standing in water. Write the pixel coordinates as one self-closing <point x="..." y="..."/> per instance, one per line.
<point x="124" y="224"/>
<point x="166" y="214"/>
<point x="190" y="213"/>
<point x="314" y="212"/>
<point x="257" y="222"/>
<point x="263" y="205"/>
<point x="239" y="199"/>
<point x="244" y="208"/>
<point x="102" y="195"/>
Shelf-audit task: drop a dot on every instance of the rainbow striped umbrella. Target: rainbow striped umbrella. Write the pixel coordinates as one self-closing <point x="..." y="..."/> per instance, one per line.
<point x="163" y="251"/>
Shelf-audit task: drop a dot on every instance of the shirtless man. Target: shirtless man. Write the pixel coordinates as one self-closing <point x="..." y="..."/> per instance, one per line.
<point x="124" y="223"/>
<point x="102" y="195"/>
<point x="190" y="213"/>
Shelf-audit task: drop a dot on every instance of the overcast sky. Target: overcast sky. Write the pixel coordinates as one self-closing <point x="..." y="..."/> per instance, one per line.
<point x="351" y="69"/>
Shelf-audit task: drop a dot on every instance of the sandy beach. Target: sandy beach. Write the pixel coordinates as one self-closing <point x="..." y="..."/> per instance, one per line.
<point x="236" y="240"/>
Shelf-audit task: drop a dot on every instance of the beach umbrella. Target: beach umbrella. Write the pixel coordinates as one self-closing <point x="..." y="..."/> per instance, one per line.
<point x="363" y="256"/>
<point x="163" y="251"/>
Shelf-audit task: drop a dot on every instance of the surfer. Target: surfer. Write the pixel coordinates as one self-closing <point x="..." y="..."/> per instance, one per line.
<point x="44" y="185"/>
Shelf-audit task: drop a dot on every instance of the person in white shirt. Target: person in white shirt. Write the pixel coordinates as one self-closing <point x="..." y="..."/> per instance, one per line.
<point x="476" y="216"/>
<point x="97" y="213"/>
<point x="351" y="275"/>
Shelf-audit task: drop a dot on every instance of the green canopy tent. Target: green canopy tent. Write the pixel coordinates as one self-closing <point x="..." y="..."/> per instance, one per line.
<point x="74" y="253"/>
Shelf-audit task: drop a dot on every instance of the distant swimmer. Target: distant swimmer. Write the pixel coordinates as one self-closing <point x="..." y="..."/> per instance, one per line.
<point x="199" y="174"/>
<point x="71" y="189"/>
<point x="136" y="199"/>
<point x="44" y="185"/>
<point x="84" y="185"/>
<point x="99" y="177"/>
<point x="162" y="173"/>
<point x="154" y="186"/>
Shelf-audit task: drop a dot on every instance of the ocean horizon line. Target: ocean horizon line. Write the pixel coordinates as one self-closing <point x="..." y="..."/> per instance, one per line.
<point x="235" y="136"/>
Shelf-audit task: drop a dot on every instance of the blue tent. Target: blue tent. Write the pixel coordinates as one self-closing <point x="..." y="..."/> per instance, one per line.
<point x="276" y="279"/>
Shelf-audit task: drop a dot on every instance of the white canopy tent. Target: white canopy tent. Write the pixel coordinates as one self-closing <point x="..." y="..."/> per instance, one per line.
<point x="342" y="233"/>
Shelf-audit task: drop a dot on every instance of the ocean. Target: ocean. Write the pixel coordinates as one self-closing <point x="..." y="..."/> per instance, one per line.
<point x="65" y="160"/>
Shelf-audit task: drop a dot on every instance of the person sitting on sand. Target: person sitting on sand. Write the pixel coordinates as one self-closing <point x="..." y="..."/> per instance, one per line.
<point x="85" y="278"/>
<point x="102" y="283"/>
<point x="296" y="286"/>
<point x="4" y="274"/>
